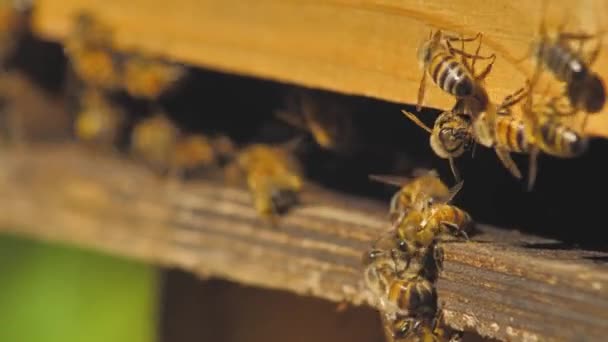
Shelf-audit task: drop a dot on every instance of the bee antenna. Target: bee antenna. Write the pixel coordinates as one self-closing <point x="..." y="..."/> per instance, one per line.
<point x="416" y="120"/>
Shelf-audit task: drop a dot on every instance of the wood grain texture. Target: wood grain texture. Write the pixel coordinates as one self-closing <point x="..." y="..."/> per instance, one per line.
<point x="363" y="47"/>
<point x="502" y="284"/>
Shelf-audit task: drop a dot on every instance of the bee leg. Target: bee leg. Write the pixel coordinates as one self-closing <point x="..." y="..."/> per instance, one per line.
<point x="508" y="162"/>
<point x="454" y="230"/>
<point x="513" y="99"/>
<point x="455" y="172"/>
<point x="533" y="168"/>
<point x="482" y="75"/>
<point x="455" y="190"/>
<point x="421" y="90"/>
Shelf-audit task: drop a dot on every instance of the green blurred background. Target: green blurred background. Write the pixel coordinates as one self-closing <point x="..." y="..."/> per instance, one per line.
<point x="58" y="293"/>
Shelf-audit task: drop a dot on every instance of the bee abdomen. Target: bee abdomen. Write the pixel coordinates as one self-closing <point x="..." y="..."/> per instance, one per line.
<point x="451" y="75"/>
<point x="510" y="134"/>
<point x="561" y="141"/>
<point x="564" y="63"/>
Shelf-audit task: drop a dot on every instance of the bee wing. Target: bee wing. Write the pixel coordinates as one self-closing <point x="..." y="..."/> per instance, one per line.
<point x="397" y="181"/>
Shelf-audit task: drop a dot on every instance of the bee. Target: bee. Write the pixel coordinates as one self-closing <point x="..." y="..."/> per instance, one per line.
<point x="450" y="136"/>
<point x="549" y="135"/>
<point x="438" y="59"/>
<point x="98" y="121"/>
<point x="153" y="140"/>
<point x="414" y="329"/>
<point x="89" y="49"/>
<point x="397" y="289"/>
<point x="423" y="258"/>
<point x="146" y="77"/>
<point x="415" y="194"/>
<point x="584" y="88"/>
<point x="504" y="133"/>
<point x="273" y="176"/>
<point x="330" y="124"/>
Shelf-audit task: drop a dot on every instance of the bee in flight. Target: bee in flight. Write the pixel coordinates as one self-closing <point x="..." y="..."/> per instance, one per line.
<point x="548" y="134"/>
<point x="147" y="77"/>
<point x="329" y="123"/>
<point x="450" y="136"/>
<point x="273" y="176"/>
<point x="160" y="143"/>
<point x="92" y="58"/>
<point x="584" y="88"/>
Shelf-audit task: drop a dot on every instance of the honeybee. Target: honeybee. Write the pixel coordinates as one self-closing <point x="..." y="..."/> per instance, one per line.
<point x="273" y="177"/>
<point x="437" y="58"/>
<point x="146" y="77"/>
<point x="504" y="133"/>
<point x="450" y="136"/>
<point x="414" y="329"/>
<point x="397" y="288"/>
<point x="98" y="120"/>
<point x="89" y="49"/>
<point x="548" y="135"/>
<point x="330" y="124"/>
<point x="584" y="88"/>
<point x="423" y="258"/>
<point x="416" y="193"/>
<point x="153" y="140"/>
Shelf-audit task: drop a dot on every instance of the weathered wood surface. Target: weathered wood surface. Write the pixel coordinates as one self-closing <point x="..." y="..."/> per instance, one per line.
<point x="494" y="285"/>
<point x="356" y="47"/>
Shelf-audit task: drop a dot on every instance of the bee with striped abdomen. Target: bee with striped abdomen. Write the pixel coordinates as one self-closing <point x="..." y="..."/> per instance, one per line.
<point x="584" y="88"/>
<point x="413" y="329"/>
<point x="438" y="59"/>
<point x="450" y="136"/>
<point x="273" y="176"/>
<point x="506" y="134"/>
<point x="548" y="135"/>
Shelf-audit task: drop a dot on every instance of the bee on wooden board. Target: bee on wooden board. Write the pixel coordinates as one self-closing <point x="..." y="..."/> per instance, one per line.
<point x="98" y="121"/>
<point x="273" y="176"/>
<point x="160" y="144"/>
<point x="89" y="47"/>
<point x="416" y="193"/>
<point x="397" y="288"/>
<point x="416" y="330"/>
<point x="450" y="136"/>
<point x="556" y="53"/>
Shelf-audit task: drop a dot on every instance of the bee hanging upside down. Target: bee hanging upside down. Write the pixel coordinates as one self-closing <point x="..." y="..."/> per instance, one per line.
<point x="273" y="177"/>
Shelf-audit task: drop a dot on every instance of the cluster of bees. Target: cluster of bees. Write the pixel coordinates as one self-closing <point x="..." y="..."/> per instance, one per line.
<point x="403" y="265"/>
<point x="99" y="73"/>
<point x="475" y="119"/>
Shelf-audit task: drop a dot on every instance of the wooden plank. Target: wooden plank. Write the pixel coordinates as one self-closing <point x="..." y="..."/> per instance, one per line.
<point x="492" y="285"/>
<point x="365" y="47"/>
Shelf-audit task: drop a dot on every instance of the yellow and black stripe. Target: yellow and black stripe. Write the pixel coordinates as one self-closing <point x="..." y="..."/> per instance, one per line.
<point x="450" y="74"/>
<point x="511" y="135"/>
<point x="559" y="140"/>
